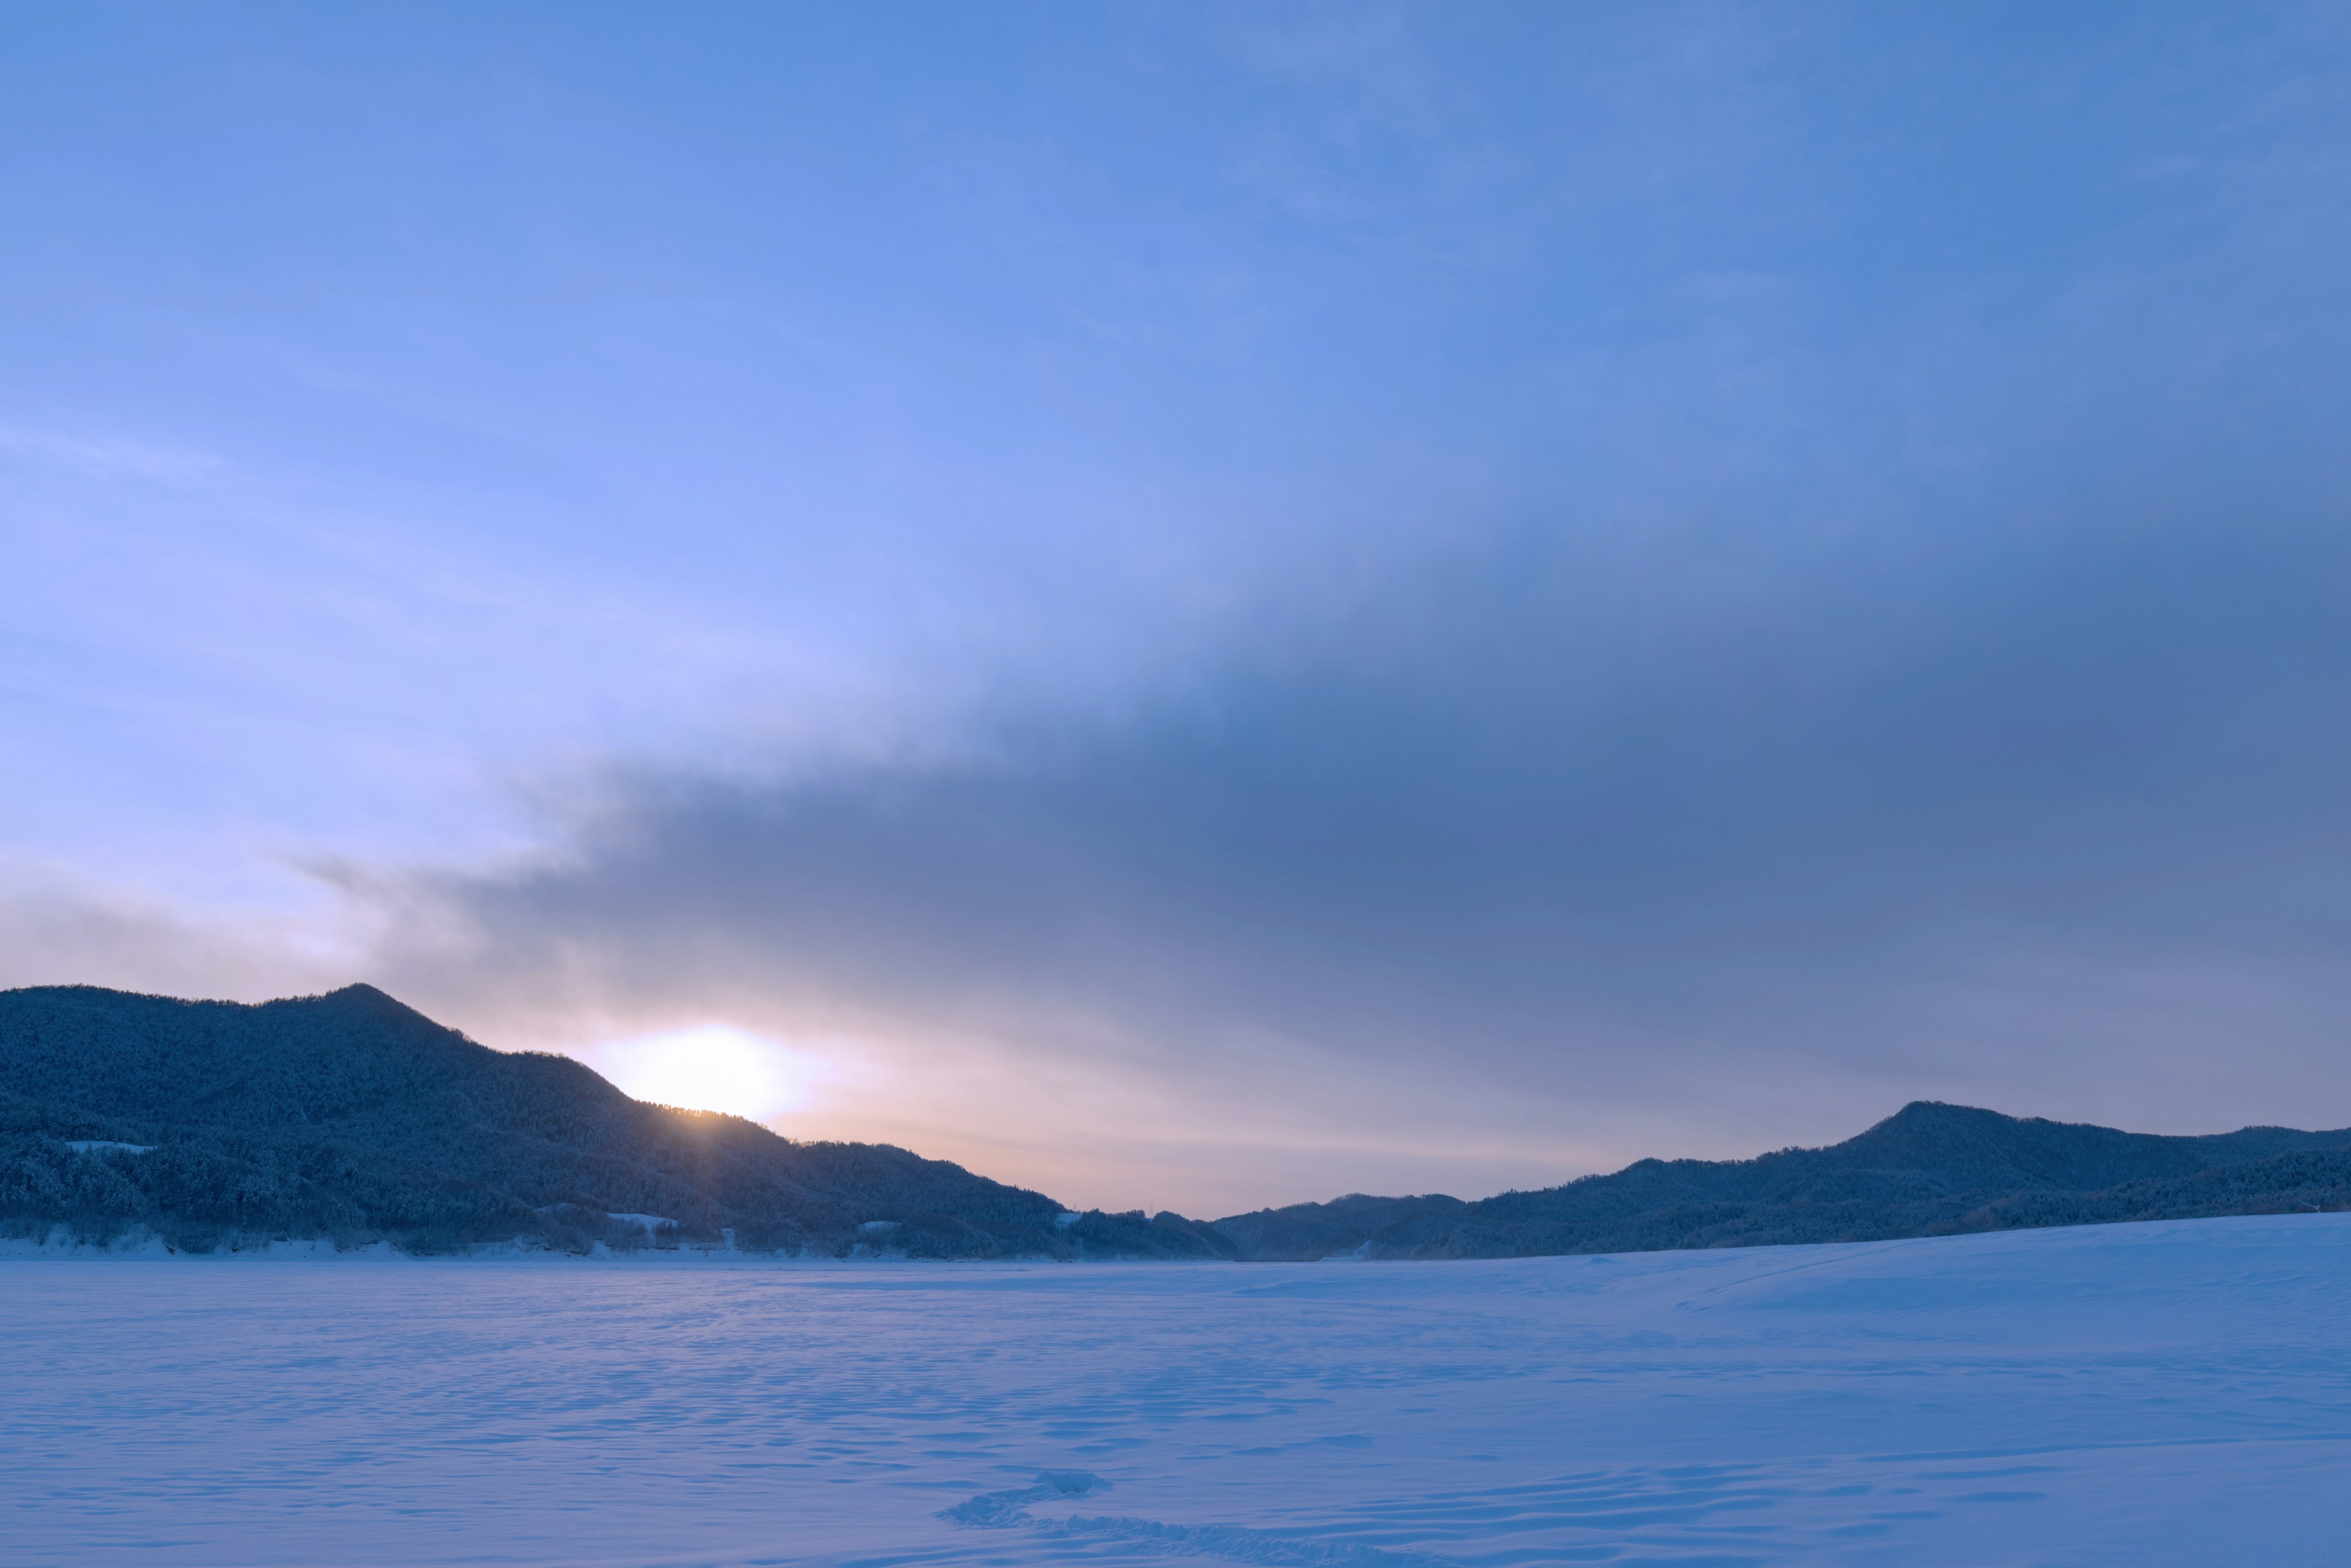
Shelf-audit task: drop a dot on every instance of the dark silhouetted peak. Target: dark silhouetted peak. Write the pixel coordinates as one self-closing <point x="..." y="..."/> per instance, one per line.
<point x="1927" y="1169"/>
<point x="1943" y="1114"/>
<point x="360" y="992"/>
<point x="352" y="1114"/>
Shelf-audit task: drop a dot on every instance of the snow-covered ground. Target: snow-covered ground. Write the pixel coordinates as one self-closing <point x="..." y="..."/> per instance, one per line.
<point x="2130" y="1394"/>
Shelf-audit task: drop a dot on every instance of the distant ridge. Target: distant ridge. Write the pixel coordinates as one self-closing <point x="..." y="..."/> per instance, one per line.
<point x="352" y="1117"/>
<point x="1929" y="1169"/>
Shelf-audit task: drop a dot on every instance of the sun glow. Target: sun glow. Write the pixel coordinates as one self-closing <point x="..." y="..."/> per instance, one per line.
<point x="712" y="1067"/>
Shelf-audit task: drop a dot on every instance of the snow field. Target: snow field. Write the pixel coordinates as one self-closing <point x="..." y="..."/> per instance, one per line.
<point x="2164" y="1394"/>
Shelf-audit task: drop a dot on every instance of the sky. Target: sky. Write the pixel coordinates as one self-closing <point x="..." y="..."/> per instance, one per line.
<point x="1202" y="606"/>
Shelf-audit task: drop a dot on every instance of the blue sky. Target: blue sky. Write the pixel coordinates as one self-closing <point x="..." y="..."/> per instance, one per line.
<point x="1203" y="605"/>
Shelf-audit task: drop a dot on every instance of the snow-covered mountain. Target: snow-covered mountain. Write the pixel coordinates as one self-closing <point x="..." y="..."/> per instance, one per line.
<point x="349" y="1115"/>
<point x="353" y="1116"/>
<point x="1928" y="1170"/>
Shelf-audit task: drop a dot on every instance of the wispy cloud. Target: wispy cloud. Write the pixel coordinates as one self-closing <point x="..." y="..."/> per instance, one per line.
<point x="95" y="454"/>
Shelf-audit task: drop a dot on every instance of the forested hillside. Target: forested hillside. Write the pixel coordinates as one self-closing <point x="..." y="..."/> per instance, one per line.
<point x="351" y="1116"/>
<point x="1928" y="1170"/>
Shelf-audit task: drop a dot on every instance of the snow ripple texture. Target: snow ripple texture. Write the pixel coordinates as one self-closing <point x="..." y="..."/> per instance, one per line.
<point x="2129" y="1395"/>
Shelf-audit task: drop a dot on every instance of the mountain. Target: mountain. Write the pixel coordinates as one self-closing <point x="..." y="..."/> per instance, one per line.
<point x="351" y="1116"/>
<point x="1928" y="1170"/>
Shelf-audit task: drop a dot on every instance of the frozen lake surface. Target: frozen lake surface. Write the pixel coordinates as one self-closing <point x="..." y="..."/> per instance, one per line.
<point x="2131" y="1394"/>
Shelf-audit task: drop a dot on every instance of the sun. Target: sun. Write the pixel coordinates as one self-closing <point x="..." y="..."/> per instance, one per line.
<point x="715" y="1066"/>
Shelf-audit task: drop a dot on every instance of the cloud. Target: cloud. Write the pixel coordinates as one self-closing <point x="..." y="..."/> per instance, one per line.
<point x="1206" y="609"/>
<point x="1548" y="844"/>
<point x="58" y="929"/>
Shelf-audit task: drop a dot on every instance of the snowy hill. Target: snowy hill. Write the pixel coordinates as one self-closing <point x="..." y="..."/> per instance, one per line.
<point x="349" y="1115"/>
<point x="1928" y="1170"/>
<point x="353" y="1117"/>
